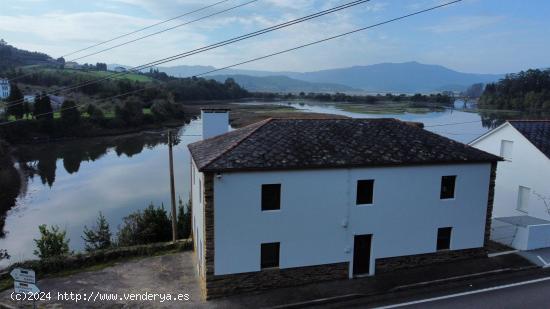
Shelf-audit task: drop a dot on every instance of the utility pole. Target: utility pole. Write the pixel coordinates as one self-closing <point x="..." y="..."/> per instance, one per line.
<point x="172" y="189"/>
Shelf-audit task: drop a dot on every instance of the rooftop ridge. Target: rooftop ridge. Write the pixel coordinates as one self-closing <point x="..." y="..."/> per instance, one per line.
<point x="260" y="125"/>
<point x="528" y="120"/>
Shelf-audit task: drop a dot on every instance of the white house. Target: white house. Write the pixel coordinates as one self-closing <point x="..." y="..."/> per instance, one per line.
<point x="120" y="69"/>
<point x="4" y="88"/>
<point x="522" y="191"/>
<point x="290" y="201"/>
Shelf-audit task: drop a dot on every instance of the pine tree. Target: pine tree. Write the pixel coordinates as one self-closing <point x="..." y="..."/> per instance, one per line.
<point x="43" y="107"/>
<point x="99" y="237"/>
<point x="15" y="105"/>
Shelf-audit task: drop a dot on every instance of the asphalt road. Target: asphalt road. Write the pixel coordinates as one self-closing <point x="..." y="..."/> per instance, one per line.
<point x="525" y="294"/>
<point x="533" y="295"/>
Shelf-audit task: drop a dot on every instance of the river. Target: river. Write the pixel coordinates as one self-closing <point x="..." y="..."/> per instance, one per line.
<point x="68" y="183"/>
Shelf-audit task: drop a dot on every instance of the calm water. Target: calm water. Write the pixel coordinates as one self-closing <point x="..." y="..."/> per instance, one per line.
<point x="68" y="183"/>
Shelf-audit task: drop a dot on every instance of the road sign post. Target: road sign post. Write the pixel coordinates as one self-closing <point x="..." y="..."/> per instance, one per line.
<point x="24" y="283"/>
<point x="23" y="275"/>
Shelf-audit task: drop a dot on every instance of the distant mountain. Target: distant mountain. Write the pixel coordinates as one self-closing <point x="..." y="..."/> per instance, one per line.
<point x="282" y="84"/>
<point x="399" y="77"/>
<point x="408" y="77"/>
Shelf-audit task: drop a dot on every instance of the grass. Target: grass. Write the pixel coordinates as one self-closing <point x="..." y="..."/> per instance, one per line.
<point x="92" y="74"/>
<point x="57" y="115"/>
<point x="385" y="108"/>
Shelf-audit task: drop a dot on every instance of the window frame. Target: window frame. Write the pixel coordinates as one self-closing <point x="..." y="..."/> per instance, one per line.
<point x="449" y="241"/>
<point x="441" y="192"/>
<point x="263" y="198"/>
<point x="359" y="202"/>
<point x="275" y="260"/>
<point x="525" y="208"/>
<point x="502" y="148"/>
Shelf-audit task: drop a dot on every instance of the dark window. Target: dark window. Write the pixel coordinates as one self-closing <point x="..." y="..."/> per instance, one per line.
<point x="270" y="255"/>
<point x="447" y="187"/>
<point x="444" y="238"/>
<point x="365" y="190"/>
<point x="271" y="197"/>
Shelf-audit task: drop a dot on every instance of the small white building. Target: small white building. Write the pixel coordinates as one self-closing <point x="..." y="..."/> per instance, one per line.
<point x="120" y="69"/>
<point x="522" y="191"/>
<point x="290" y="201"/>
<point x="28" y="98"/>
<point x="5" y="88"/>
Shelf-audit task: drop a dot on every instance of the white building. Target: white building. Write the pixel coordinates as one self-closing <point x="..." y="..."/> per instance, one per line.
<point x="289" y="201"/>
<point x="120" y="69"/>
<point x="4" y="88"/>
<point x="29" y="98"/>
<point x="522" y="191"/>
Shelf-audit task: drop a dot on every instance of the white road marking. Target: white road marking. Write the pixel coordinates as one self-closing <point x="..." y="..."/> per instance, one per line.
<point x="544" y="264"/>
<point x="500" y="287"/>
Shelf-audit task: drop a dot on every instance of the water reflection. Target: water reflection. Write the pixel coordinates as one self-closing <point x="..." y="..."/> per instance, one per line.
<point x="68" y="183"/>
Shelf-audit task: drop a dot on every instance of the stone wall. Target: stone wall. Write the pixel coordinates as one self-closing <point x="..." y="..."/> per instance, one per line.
<point x="490" y="199"/>
<point x="401" y="262"/>
<point x="207" y="273"/>
<point x="224" y="285"/>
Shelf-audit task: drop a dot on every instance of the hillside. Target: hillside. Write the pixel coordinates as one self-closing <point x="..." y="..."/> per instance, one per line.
<point x="282" y="84"/>
<point x="11" y="57"/>
<point x="408" y="77"/>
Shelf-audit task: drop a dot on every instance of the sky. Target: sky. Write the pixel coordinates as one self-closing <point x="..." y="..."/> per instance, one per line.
<point x="476" y="36"/>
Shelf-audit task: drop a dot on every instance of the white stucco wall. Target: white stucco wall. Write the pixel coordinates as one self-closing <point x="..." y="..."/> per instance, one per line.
<point x="197" y="181"/>
<point x="319" y="218"/>
<point x="528" y="167"/>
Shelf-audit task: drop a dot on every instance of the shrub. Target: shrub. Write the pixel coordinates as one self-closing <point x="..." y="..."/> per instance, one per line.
<point x="70" y="115"/>
<point x="95" y="113"/>
<point x="131" y="112"/>
<point x="151" y="225"/>
<point x="164" y="109"/>
<point x="99" y="237"/>
<point x="52" y="242"/>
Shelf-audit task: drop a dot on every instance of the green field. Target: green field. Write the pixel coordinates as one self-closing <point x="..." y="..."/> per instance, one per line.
<point x="91" y="74"/>
<point x="107" y="115"/>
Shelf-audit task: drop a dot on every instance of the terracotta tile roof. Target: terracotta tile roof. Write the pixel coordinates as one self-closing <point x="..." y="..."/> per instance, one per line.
<point x="536" y="131"/>
<point x="323" y="143"/>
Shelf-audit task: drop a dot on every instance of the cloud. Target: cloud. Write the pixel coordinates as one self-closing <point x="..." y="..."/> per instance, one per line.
<point x="464" y="23"/>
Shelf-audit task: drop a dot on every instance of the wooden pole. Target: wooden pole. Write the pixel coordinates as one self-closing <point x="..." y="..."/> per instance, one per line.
<point x="172" y="189"/>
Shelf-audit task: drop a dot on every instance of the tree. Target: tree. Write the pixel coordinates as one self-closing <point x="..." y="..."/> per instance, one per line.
<point x="95" y="113"/>
<point x="474" y="91"/>
<point x="131" y="112"/>
<point x="184" y="220"/>
<point x="52" y="242"/>
<point x="15" y="102"/>
<point x="43" y="107"/>
<point x="101" y="66"/>
<point x="70" y="115"/>
<point x="150" y="226"/>
<point x="99" y="237"/>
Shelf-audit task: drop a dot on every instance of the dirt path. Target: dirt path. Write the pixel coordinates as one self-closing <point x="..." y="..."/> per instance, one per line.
<point x="173" y="273"/>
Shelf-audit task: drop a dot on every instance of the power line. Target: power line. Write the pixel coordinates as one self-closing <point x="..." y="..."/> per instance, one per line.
<point x="210" y="47"/>
<point x="270" y="55"/>
<point x="145" y="28"/>
<point x="165" y="30"/>
<point x="130" y="33"/>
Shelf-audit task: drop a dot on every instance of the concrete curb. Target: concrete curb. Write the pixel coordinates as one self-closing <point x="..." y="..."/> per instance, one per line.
<point x="335" y="299"/>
